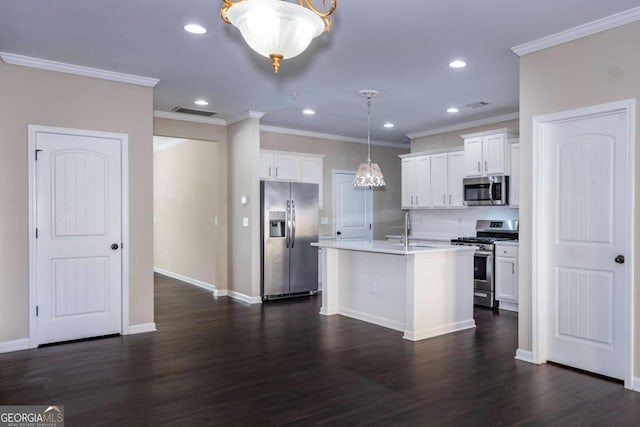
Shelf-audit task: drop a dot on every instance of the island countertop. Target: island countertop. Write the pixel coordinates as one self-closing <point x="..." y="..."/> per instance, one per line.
<point x="385" y="247"/>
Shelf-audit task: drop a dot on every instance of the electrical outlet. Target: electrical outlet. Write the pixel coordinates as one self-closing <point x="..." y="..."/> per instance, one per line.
<point x="245" y="222"/>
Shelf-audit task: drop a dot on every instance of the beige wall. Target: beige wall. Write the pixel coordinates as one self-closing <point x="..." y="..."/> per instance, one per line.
<point x="601" y="68"/>
<point x="187" y="209"/>
<point x="31" y="96"/>
<point x="244" y="181"/>
<point x="452" y="139"/>
<point x="217" y="171"/>
<point x="347" y="156"/>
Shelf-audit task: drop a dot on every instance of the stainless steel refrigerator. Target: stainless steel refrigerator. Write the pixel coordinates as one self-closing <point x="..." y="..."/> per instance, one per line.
<point x="289" y="224"/>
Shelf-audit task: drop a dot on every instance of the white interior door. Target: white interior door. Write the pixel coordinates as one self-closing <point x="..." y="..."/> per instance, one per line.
<point x="586" y="172"/>
<point x="352" y="210"/>
<point x="78" y="219"/>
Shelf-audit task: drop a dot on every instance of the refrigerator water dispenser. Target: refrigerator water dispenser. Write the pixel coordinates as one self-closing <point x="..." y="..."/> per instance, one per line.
<point x="277" y="224"/>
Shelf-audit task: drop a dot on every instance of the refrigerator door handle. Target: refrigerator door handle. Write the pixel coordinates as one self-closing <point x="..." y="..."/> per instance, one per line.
<point x="288" y="230"/>
<point x="293" y="229"/>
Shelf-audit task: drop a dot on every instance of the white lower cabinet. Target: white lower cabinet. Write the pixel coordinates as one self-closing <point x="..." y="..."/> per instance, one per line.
<point x="506" y="276"/>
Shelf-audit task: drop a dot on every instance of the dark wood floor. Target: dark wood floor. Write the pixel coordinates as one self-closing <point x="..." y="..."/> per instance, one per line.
<point x="220" y="362"/>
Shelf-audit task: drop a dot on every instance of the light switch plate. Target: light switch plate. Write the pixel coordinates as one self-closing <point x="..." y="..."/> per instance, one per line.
<point x="245" y="222"/>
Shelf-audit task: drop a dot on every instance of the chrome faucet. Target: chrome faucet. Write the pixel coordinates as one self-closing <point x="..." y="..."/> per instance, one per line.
<point x="407" y="230"/>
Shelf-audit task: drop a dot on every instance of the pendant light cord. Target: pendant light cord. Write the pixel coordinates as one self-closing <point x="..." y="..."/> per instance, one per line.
<point x="369" y="129"/>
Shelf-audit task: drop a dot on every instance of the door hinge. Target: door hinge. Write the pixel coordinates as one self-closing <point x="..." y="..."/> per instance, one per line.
<point x="37" y="151"/>
<point x="36" y="232"/>
<point x="37" y="310"/>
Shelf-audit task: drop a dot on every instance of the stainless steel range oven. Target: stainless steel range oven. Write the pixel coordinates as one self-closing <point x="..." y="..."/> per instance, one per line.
<point x="487" y="232"/>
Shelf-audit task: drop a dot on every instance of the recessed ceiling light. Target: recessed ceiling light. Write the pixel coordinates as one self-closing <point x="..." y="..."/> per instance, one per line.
<point x="308" y="112"/>
<point x="452" y="110"/>
<point x="388" y="125"/>
<point x="458" y="63"/>
<point x="200" y="102"/>
<point x="195" y="29"/>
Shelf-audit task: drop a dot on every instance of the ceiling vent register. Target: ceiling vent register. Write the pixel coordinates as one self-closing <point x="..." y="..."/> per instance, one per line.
<point x="193" y="112"/>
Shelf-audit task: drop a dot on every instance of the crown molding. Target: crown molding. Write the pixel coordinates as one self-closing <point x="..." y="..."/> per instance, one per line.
<point x="329" y="136"/>
<point x="189" y="118"/>
<point x="244" y="116"/>
<point x="61" y="67"/>
<point x="594" y="27"/>
<point x="465" y="125"/>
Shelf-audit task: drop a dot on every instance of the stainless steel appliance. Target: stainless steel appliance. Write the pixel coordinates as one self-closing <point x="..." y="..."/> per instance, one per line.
<point x="289" y="224"/>
<point x="487" y="233"/>
<point x="486" y="191"/>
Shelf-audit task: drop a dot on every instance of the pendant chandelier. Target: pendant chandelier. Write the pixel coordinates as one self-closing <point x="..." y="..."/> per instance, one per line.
<point x="277" y="29"/>
<point x="369" y="174"/>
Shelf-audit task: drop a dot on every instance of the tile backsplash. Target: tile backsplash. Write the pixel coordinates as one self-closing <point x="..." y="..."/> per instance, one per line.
<point x="450" y="223"/>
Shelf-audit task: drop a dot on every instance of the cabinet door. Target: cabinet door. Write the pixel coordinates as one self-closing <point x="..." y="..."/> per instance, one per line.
<point x="473" y="157"/>
<point x="422" y="182"/>
<point x="266" y="166"/>
<point x="494" y="154"/>
<point x="311" y="172"/>
<point x="286" y="168"/>
<point x="506" y="279"/>
<point x="514" y="179"/>
<point x="455" y="174"/>
<point x="408" y="171"/>
<point x="439" y="181"/>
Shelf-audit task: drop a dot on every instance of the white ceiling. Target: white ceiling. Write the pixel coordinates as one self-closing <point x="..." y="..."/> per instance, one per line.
<point x="401" y="48"/>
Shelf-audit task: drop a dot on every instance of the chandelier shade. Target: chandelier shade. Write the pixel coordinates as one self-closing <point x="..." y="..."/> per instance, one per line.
<point x="368" y="173"/>
<point x="276" y="29"/>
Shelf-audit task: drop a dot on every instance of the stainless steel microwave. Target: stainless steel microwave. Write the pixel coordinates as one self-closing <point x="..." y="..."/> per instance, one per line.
<point x="486" y="191"/>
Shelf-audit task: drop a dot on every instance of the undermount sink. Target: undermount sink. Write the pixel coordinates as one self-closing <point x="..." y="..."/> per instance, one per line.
<point x="416" y="245"/>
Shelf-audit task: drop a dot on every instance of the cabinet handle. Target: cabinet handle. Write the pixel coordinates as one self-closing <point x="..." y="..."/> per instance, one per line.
<point x="449" y="198"/>
<point x="276" y="171"/>
<point x="478" y="166"/>
<point x="444" y="199"/>
<point x="485" y="165"/>
<point x="513" y="268"/>
<point x="269" y="171"/>
<point x="417" y="201"/>
<point x="411" y="200"/>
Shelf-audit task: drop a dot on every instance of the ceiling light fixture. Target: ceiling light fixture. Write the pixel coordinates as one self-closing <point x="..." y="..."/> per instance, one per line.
<point x="388" y="125"/>
<point x="308" y="112"/>
<point x="369" y="174"/>
<point x="452" y="110"/>
<point x="277" y="29"/>
<point x="200" y="102"/>
<point x="195" y="29"/>
<point x="458" y="63"/>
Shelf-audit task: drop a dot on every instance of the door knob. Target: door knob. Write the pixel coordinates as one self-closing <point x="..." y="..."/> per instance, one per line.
<point x="115" y="246"/>
<point x="620" y="259"/>
<point x="339" y="233"/>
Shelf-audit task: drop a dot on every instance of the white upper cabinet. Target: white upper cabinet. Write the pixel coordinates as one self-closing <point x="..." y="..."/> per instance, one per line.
<point x="416" y="182"/>
<point x="455" y="174"/>
<point x="279" y="167"/>
<point x="295" y="167"/>
<point x="432" y="181"/>
<point x="514" y="179"/>
<point x="486" y="153"/>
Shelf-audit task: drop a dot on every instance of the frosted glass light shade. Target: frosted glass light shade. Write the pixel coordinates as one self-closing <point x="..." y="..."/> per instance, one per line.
<point x="275" y="27"/>
<point x="369" y="175"/>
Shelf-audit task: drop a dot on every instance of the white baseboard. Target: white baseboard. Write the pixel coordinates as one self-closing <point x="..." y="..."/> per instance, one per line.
<point x="524" y="355"/>
<point x="220" y="293"/>
<point x="326" y="312"/>
<point x="440" y="330"/>
<point x="199" y="283"/>
<point x="380" y="321"/>
<point x="509" y="306"/>
<point x="244" y="298"/>
<point x="15" y="345"/>
<point x="635" y="384"/>
<point x="142" y="328"/>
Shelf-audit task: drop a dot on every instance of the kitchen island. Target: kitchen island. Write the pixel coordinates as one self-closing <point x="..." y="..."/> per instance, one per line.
<point x="422" y="290"/>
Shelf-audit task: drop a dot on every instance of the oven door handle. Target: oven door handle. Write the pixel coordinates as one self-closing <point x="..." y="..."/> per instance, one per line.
<point x="486" y="254"/>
